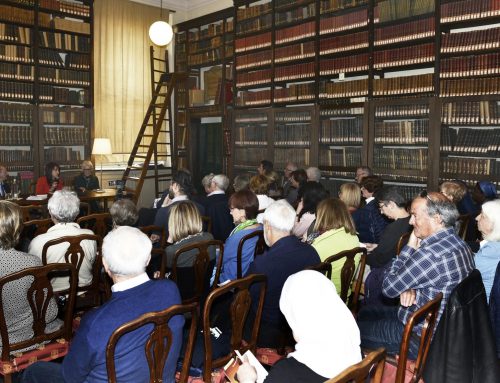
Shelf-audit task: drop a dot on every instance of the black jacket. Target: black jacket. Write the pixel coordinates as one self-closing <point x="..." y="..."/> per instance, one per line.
<point x="495" y="308"/>
<point x="463" y="348"/>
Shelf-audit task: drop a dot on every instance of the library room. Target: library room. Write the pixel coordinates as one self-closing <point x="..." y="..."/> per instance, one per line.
<point x="250" y="191"/>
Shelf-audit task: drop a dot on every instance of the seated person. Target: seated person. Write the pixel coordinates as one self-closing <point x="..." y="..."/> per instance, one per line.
<point x="18" y="315"/>
<point x="260" y="186"/>
<point x="326" y="333"/>
<point x="335" y="233"/>
<point x="123" y="213"/>
<point x="287" y="175"/>
<point x="63" y="207"/>
<point x="126" y="252"/>
<point x="377" y="222"/>
<point x="488" y="256"/>
<point x="313" y="174"/>
<point x="217" y="208"/>
<point x="4" y="184"/>
<point x="87" y="179"/>
<point x="310" y="194"/>
<point x="286" y="255"/>
<point x="297" y="179"/>
<point x="484" y="191"/>
<point x="51" y="181"/>
<point x="241" y="182"/>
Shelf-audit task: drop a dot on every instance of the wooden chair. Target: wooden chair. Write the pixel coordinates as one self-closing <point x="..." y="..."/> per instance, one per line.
<point x="200" y="270"/>
<point x="347" y="274"/>
<point x="157" y="346"/>
<point x="403" y="240"/>
<point x="239" y="308"/>
<point x="463" y="221"/>
<point x="31" y="229"/>
<point x="360" y="372"/>
<point x="428" y="313"/>
<point x="84" y="208"/>
<point x="260" y="247"/>
<point x="100" y="223"/>
<point x="39" y="295"/>
<point x="324" y="268"/>
<point x="152" y="229"/>
<point x="158" y="251"/>
<point x="31" y="212"/>
<point x="91" y="294"/>
<point x="207" y="223"/>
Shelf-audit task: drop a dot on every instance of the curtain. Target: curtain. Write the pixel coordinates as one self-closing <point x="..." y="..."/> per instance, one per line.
<point x="122" y="73"/>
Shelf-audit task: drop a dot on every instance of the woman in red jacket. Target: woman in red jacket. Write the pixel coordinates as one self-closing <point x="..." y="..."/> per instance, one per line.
<point x="50" y="182"/>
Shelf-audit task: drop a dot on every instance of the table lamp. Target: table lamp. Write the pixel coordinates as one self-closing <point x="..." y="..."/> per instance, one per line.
<point x="102" y="146"/>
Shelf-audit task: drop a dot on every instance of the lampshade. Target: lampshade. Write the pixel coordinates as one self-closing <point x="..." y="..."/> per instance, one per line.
<point x="102" y="146"/>
<point x="160" y="33"/>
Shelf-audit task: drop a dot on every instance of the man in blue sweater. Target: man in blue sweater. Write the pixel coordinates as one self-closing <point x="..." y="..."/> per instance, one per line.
<point x="126" y="253"/>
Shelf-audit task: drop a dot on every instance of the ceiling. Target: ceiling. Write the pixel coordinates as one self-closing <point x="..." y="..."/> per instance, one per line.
<point x="178" y="5"/>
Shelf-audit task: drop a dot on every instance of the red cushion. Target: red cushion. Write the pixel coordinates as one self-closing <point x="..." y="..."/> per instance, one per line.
<point x="270" y="356"/>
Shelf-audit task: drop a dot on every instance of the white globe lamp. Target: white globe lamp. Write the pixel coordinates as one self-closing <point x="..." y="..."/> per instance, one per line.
<point x="161" y="33"/>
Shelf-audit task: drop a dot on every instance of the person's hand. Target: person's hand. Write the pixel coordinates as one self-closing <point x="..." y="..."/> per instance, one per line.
<point x="246" y="373"/>
<point x="371" y="246"/>
<point x="154" y="238"/>
<point x="82" y="189"/>
<point x="414" y="242"/>
<point x="408" y="298"/>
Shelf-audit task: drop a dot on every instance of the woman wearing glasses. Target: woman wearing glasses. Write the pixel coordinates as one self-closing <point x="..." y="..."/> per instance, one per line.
<point x="86" y="180"/>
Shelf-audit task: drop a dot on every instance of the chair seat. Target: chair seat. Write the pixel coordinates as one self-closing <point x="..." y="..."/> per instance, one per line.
<point x="44" y="352"/>
<point x="391" y="368"/>
<point x="218" y="376"/>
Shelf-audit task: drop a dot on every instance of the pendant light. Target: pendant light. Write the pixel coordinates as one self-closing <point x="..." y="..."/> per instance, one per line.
<point x="160" y="32"/>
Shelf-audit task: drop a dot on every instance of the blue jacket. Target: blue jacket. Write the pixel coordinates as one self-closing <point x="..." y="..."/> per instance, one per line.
<point x="486" y="260"/>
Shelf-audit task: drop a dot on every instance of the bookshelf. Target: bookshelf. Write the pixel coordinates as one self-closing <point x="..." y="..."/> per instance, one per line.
<point x="46" y="84"/>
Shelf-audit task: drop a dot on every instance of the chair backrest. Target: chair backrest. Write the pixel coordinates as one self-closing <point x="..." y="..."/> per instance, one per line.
<point x="84" y="208"/>
<point x="207" y="223"/>
<point x="348" y="271"/>
<point x="238" y="311"/>
<point x="100" y="223"/>
<point x="31" y="229"/>
<point x="260" y="247"/>
<point x="463" y="221"/>
<point x="159" y="342"/>
<point x="403" y="240"/>
<point x="33" y="212"/>
<point x="324" y="268"/>
<point x="200" y="267"/>
<point x="428" y="313"/>
<point x="360" y="372"/>
<point x="152" y="229"/>
<point x="38" y="297"/>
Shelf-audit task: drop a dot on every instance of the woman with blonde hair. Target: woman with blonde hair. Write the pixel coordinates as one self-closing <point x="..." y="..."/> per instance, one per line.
<point x="334" y="232"/>
<point x="87" y="179"/>
<point x="350" y="194"/>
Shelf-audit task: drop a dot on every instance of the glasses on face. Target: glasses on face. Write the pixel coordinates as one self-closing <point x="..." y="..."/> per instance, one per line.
<point x="382" y="204"/>
<point x="85" y="169"/>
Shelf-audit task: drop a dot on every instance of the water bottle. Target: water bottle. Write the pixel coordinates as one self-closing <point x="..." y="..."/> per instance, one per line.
<point x="14" y="188"/>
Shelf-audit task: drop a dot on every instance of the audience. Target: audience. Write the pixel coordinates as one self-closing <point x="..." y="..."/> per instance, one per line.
<point x="488" y="256"/>
<point x="17" y="312"/>
<point x="265" y="168"/>
<point x="326" y="333"/>
<point x="484" y="191"/>
<point x="362" y="172"/>
<point x="216" y="207"/>
<point x="377" y="223"/>
<point x="123" y="213"/>
<point x="286" y="255"/>
<point x="241" y="182"/>
<point x="313" y="174"/>
<point x="260" y="186"/>
<point x="435" y="260"/>
<point x="335" y="232"/>
<point x="298" y="178"/>
<point x="310" y="194"/>
<point x="350" y="194"/>
<point x="286" y="184"/>
<point x="86" y="180"/>
<point x="50" y="182"/>
<point x="126" y="253"/>
<point x="64" y="207"/>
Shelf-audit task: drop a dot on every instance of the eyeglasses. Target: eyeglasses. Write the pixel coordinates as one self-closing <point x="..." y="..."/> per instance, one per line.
<point x="425" y="194"/>
<point x="87" y="169"/>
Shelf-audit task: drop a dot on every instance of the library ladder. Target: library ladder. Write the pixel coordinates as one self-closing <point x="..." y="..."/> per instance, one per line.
<point x="154" y="140"/>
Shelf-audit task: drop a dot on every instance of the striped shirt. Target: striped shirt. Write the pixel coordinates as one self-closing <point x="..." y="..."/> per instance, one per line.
<point x="441" y="262"/>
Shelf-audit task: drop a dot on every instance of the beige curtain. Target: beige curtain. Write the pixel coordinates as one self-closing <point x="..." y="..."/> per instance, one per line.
<point x="122" y="73"/>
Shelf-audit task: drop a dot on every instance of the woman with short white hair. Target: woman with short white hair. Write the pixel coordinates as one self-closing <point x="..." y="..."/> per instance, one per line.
<point x="488" y="256"/>
<point x="87" y="179"/>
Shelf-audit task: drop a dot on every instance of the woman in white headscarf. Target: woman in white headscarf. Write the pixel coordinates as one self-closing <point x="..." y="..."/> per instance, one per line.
<point x="326" y="333"/>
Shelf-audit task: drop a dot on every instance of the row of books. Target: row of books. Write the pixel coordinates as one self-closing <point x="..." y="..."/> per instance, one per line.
<point x="297" y="32"/>
<point x="291" y="15"/>
<point x="205" y="57"/>
<point x="476" y="65"/>
<point x="352" y="20"/>
<point x="354" y="88"/>
<point x="17" y="72"/>
<point x="211" y="30"/>
<point x="196" y="46"/>
<point x="16" y="155"/>
<point x="404" y="178"/>
<point x="29" y="3"/>
<point x="11" y="32"/>
<point x="16" y="15"/>
<point x="399" y="158"/>
<point x="342" y="111"/>
<point x="250" y="135"/>
<point x="471" y="112"/>
<point x="469" y="9"/>
<point x="341" y="131"/>
<point x="16" y="53"/>
<point x="342" y="157"/>
<point x="294" y="134"/>
<point x="413" y="54"/>
<point x="64" y="77"/>
<point x="283" y="155"/>
<point x="16" y="135"/>
<point x="471" y="40"/>
<point x="399" y="9"/>
<point x="295" y="72"/>
<point x="65" y="41"/>
<point x="334" y="5"/>
<point x="253" y="78"/>
<point x="402" y="132"/>
<point x="416" y="29"/>
<point x="252" y="42"/>
<point x="343" y="43"/>
<point x="66" y="136"/>
<point x="250" y="117"/>
<point x="16" y="90"/>
<point x="70" y="25"/>
<point x="295" y="92"/>
<point x="470" y="141"/>
<point x="63" y="95"/>
<point x="294" y="52"/>
<point x="62" y="154"/>
<point x="344" y="64"/>
<point x="293" y="116"/>
<point x="65" y="115"/>
<point x="253" y="11"/>
<point x="16" y="113"/>
<point x="72" y="8"/>
<point x="255" y="24"/>
<point x="403" y="85"/>
<point x="470" y="87"/>
<point x="253" y="60"/>
<point x="249" y="156"/>
<point x="474" y="166"/>
<point x="397" y="111"/>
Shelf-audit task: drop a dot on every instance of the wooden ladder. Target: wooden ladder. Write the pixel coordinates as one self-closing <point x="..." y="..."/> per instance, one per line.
<point x="154" y="140"/>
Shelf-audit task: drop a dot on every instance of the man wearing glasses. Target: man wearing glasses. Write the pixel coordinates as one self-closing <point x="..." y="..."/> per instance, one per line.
<point x="286" y="185"/>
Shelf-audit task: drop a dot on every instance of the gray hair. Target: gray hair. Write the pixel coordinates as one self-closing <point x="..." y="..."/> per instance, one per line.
<point x="207" y="180"/>
<point x="491" y="210"/>
<point x="64" y="206"/>
<point x="124" y="212"/>
<point x="313" y="174"/>
<point x="221" y="181"/>
<point x="438" y="204"/>
<point x="127" y="251"/>
<point x="241" y="182"/>
<point x="280" y="215"/>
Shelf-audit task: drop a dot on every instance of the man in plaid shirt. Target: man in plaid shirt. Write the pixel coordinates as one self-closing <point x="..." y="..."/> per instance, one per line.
<point x="434" y="260"/>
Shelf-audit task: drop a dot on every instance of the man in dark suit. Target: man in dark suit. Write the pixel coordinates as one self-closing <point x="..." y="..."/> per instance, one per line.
<point x="217" y="207"/>
<point x="4" y="185"/>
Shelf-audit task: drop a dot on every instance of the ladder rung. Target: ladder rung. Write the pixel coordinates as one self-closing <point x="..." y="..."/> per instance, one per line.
<point x="147" y="135"/>
<point x="140" y="156"/>
<point x="133" y="178"/>
<point x="143" y="146"/>
<point x="134" y="167"/>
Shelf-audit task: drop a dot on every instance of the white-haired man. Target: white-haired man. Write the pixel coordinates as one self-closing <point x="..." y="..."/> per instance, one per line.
<point x="64" y="207"/>
<point x="126" y="253"/>
<point x="286" y="255"/>
<point x="217" y="207"/>
<point x="313" y="174"/>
